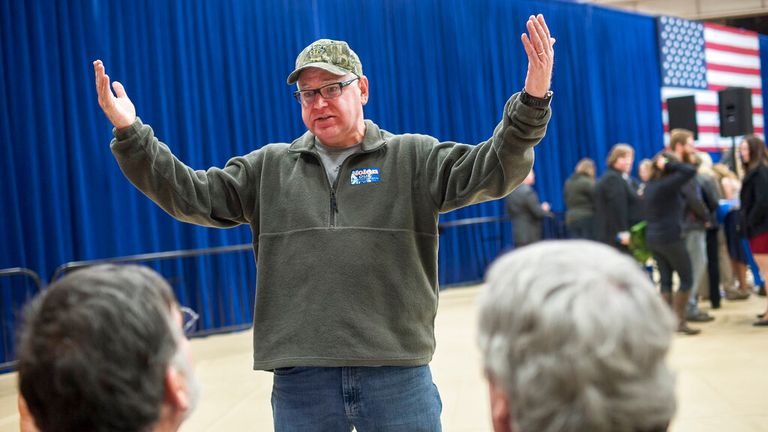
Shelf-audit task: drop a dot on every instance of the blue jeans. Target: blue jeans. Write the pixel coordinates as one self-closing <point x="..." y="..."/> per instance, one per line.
<point x="368" y="398"/>
<point x="696" y="243"/>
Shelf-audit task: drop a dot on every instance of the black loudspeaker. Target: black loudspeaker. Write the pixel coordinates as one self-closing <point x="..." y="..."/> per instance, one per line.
<point x="682" y="114"/>
<point x="735" y="112"/>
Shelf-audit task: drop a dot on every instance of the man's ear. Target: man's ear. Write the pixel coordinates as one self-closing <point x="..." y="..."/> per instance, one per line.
<point x="176" y="391"/>
<point x="500" y="417"/>
<point x="364" y="89"/>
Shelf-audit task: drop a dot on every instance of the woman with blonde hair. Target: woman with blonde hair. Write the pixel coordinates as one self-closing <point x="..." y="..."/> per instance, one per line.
<point x="734" y="267"/>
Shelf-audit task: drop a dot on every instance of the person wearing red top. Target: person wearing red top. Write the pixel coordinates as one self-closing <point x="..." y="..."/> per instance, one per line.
<point x="754" y="203"/>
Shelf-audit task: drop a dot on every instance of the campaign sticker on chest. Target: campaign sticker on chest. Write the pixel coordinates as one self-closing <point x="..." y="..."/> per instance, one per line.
<point x="365" y="175"/>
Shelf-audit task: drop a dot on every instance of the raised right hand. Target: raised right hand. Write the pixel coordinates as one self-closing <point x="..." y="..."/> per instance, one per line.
<point x="539" y="46"/>
<point x="119" y="109"/>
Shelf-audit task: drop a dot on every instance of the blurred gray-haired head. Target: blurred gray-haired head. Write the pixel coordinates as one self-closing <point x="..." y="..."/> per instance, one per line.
<point x="575" y="335"/>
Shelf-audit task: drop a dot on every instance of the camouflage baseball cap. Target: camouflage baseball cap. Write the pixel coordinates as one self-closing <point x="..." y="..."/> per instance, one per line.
<point x="334" y="56"/>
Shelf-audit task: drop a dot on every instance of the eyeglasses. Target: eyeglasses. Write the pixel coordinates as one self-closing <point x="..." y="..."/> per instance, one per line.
<point x="188" y="319"/>
<point x="330" y="91"/>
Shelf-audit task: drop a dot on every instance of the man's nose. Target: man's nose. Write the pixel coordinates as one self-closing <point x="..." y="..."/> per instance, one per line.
<point x="319" y="101"/>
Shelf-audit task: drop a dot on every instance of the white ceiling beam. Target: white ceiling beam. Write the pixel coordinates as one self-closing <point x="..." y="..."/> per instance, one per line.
<point x="690" y="9"/>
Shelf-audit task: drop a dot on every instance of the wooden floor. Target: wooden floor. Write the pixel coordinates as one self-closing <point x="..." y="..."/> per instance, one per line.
<point x="722" y="375"/>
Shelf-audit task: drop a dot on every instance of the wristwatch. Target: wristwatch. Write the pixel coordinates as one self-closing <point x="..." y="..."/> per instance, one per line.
<point x="536" y="102"/>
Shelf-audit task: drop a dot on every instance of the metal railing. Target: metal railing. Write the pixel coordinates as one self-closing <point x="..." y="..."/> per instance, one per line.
<point x="472" y="221"/>
<point x="139" y="258"/>
<point x="21" y="271"/>
<point x="489" y="243"/>
<point x="38" y="283"/>
<point x="162" y="256"/>
<point x="155" y="256"/>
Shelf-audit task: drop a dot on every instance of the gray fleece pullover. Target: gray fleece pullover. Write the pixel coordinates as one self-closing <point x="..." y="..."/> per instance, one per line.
<point x="347" y="272"/>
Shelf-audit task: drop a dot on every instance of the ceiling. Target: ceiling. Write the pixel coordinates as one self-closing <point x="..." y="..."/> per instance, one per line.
<point x="748" y="14"/>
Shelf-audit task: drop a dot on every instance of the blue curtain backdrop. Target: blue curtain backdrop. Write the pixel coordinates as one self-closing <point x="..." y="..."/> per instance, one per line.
<point x="210" y="78"/>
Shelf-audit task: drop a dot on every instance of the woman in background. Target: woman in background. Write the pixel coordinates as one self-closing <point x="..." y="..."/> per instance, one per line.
<point x="732" y="257"/>
<point x="754" y="203"/>
<point x="579" y="204"/>
<point x="664" y="206"/>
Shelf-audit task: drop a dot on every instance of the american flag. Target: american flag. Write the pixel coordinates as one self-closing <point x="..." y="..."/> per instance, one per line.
<point x="701" y="59"/>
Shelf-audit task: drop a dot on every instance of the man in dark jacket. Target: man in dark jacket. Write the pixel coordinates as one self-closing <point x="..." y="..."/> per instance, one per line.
<point x="617" y="206"/>
<point x="527" y="212"/>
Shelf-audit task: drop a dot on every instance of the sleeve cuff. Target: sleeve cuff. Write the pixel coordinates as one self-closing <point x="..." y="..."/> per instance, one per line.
<point x="526" y="111"/>
<point x="127" y="132"/>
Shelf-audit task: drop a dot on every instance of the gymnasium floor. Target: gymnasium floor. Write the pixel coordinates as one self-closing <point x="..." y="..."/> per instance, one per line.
<point x="722" y="375"/>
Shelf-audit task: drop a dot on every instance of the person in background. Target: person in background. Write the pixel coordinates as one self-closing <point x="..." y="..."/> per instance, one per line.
<point x="709" y="286"/>
<point x="617" y="205"/>
<point x="729" y="181"/>
<point x="644" y="173"/>
<point x="103" y="349"/>
<point x="578" y="193"/>
<point x="754" y="204"/>
<point x="527" y="212"/>
<point x="664" y="207"/>
<point x="733" y="259"/>
<point x="574" y="338"/>
<point x="696" y="220"/>
<point x="729" y="157"/>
